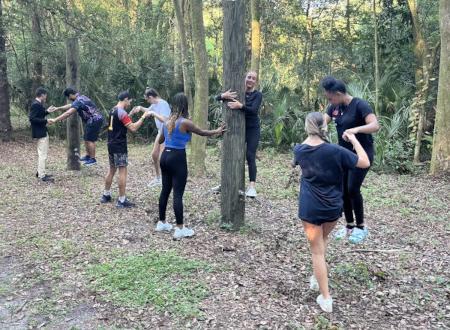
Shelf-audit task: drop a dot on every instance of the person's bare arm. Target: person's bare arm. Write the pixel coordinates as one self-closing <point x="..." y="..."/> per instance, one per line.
<point x="133" y="127"/>
<point x="66" y="107"/>
<point x="65" y="115"/>
<point x="189" y="126"/>
<point x="161" y="118"/>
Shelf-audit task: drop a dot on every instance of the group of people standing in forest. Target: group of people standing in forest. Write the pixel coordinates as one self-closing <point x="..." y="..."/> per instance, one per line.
<point x="331" y="179"/>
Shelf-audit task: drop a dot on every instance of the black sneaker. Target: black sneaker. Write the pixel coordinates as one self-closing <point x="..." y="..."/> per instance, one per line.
<point x="125" y="204"/>
<point x="105" y="199"/>
<point x="49" y="175"/>
<point x="47" y="178"/>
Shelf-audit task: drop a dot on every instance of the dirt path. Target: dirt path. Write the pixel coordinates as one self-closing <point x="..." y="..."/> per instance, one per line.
<point x="51" y="234"/>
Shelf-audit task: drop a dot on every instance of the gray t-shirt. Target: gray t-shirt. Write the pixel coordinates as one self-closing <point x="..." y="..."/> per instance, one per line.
<point x="161" y="108"/>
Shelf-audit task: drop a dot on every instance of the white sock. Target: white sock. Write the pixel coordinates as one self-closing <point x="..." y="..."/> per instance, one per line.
<point x="107" y="192"/>
<point x="122" y="199"/>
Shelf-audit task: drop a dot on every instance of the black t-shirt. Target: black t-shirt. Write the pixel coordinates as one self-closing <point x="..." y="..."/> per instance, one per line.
<point x="37" y="120"/>
<point x="321" y="188"/>
<point x="350" y="116"/>
<point x="117" y="131"/>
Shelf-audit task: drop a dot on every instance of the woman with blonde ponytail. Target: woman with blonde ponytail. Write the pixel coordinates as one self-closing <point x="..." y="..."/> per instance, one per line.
<point x="320" y="200"/>
<point x="177" y="132"/>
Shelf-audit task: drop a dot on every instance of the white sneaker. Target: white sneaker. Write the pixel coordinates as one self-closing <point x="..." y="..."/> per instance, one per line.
<point x="163" y="226"/>
<point x="184" y="232"/>
<point x="325" y="304"/>
<point x="155" y="183"/>
<point x="313" y="284"/>
<point x="251" y="192"/>
<point x="216" y="189"/>
<point x="342" y="233"/>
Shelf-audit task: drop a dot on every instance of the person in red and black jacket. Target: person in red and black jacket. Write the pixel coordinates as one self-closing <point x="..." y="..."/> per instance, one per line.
<point x="119" y="124"/>
<point x="39" y="131"/>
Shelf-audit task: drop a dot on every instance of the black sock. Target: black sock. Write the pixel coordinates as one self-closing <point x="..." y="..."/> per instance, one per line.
<point x="350" y="226"/>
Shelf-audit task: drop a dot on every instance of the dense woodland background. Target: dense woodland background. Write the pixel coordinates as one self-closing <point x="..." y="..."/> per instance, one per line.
<point x="388" y="51"/>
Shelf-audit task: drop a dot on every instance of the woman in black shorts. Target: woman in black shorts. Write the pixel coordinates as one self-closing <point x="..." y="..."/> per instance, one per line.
<point x="320" y="201"/>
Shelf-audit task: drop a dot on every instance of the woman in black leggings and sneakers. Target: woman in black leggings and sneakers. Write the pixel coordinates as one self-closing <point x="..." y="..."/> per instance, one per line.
<point x="177" y="132"/>
<point x="253" y="100"/>
<point x="351" y="115"/>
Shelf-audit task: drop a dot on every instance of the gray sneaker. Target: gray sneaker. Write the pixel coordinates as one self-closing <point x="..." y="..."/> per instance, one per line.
<point x="182" y="233"/>
<point x="251" y="192"/>
<point x="163" y="226"/>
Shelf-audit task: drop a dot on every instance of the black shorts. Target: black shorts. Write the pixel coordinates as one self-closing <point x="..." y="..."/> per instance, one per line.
<point x="92" y="130"/>
<point x="118" y="160"/>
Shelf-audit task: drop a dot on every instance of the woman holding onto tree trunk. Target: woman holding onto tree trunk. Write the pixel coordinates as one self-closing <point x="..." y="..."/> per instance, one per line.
<point x="253" y="100"/>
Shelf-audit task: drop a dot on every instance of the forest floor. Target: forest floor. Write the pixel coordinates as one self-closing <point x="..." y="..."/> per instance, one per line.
<point x="68" y="262"/>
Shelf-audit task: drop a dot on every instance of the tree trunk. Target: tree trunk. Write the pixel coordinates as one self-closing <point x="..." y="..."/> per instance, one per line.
<point x="184" y="51"/>
<point x="200" y="115"/>
<point x="255" y="7"/>
<point x="73" y="122"/>
<point x="233" y="148"/>
<point x="440" y="159"/>
<point x="421" y="52"/>
<point x="376" y="61"/>
<point x="5" y="116"/>
<point x="36" y="51"/>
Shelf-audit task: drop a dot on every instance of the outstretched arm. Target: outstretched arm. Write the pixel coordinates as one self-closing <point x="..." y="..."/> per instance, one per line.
<point x="133" y="127"/>
<point x="65" y="115"/>
<point x="189" y="126"/>
<point x="61" y="108"/>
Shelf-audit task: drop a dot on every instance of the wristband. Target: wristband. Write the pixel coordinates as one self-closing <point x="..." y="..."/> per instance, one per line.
<point x="143" y="117"/>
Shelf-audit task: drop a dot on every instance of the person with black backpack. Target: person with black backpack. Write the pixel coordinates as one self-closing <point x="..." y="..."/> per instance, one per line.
<point x="91" y="117"/>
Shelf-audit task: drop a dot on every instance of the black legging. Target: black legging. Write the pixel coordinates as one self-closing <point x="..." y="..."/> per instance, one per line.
<point x="353" y="200"/>
<point x="174" y="175"/>
<point x="252" y="135"/>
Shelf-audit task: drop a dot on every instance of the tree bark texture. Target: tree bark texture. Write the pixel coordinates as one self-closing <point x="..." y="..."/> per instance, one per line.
<point x="200" y="113"/>
<point x="440" y="159"/>
<point x="73" y="122"/>
<point x="233" y="148"/>
<point x="5" y="116"/>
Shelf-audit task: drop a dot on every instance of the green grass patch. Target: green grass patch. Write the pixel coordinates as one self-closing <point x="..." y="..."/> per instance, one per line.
<point x="355" y="273"/>
<point x="163" y="279"/>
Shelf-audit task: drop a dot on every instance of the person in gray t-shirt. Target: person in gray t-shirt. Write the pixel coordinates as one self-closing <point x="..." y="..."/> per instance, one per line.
<point x="162" y="108"/>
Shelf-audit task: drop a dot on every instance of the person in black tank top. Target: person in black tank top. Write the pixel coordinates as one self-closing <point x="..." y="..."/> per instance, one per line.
<point x="119" y="125"/>
<point x="351" y="115"/>
<point x="253" y="100"/>
<point x="320" y="199"/>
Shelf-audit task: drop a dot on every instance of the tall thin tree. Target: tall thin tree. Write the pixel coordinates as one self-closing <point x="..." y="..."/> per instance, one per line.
<point x="376" y="61"/>
<point x="200" y="114"/>
<point x="255" y="8"/>
<point x="179" y="14"/>
<point x="73" y="122"/>
<point x="233" y="148"/>
<point x="36" y="47"/>
<point x="440" y="159"/>
<point x="5" y="116"/>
